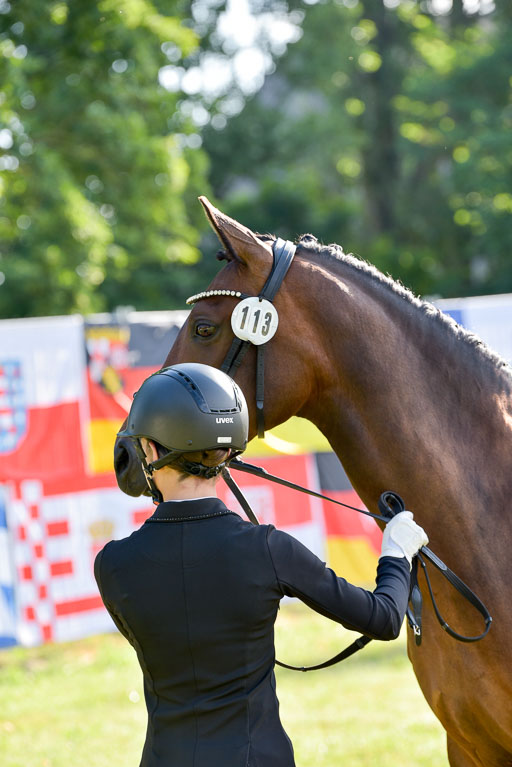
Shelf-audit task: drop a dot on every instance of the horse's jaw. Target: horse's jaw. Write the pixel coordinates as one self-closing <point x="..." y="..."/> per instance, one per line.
<point x="129" y="474"/>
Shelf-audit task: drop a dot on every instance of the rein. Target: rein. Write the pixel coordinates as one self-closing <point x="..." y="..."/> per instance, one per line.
<point x="390" y="504"/>
<point x="254" y="322"/>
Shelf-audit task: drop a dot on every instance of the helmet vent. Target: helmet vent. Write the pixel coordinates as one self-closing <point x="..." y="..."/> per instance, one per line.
<point x="169" y="407"/>
<point x="185" y="376"/>
<point x="203" y="405"/>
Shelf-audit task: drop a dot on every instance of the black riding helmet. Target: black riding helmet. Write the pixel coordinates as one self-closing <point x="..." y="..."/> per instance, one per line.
<point x="188" y="408"/>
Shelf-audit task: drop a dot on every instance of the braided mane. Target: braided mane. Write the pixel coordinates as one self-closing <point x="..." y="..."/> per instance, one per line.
<point x="333" y="257"/>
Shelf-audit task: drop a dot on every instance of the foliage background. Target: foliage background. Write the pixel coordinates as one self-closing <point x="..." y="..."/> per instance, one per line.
<point x="383" y="125"/>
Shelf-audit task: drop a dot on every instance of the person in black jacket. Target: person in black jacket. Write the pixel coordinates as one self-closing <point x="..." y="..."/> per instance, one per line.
<point x="196" y="589"/>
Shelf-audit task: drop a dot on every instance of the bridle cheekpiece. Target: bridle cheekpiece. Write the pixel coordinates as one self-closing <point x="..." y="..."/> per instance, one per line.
<point x="254" y="321"/>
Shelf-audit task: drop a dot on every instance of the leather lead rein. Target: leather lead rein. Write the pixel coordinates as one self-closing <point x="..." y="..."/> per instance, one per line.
<point x="389" y="504"/>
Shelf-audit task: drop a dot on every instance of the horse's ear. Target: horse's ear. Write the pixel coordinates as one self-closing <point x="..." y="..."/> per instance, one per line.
<point x="240" y="242"/>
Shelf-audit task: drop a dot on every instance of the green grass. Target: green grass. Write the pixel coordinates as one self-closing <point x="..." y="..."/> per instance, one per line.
<point x="80" y="704"/>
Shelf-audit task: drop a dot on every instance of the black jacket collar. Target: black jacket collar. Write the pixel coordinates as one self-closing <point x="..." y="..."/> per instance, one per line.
<point x="189" y="510"/>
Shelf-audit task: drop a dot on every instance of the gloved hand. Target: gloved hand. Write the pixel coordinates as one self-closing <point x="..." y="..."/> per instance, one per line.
<point x="403" y="537"/>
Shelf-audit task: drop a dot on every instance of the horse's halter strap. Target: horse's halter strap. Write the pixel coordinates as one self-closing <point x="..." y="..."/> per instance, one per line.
<point x="283" y="251"/>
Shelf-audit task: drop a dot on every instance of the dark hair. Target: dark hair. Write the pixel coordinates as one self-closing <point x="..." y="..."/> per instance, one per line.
<point x="209" y="458"/>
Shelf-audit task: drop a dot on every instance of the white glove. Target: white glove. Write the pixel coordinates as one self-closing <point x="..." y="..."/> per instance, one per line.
<point x="403" y="537"/>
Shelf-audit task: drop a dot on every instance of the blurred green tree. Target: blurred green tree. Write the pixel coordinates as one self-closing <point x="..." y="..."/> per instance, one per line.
<point x="385" y="128"/>
<point x="97" y="193"/>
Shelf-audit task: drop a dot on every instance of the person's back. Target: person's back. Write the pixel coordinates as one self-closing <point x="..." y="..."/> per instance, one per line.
<point x="195" y="592"/>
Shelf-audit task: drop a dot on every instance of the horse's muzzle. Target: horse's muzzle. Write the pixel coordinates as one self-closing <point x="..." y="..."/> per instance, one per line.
<point x="129" y="474"/>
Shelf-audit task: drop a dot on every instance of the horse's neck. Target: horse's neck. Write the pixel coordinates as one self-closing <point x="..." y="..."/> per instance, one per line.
<point x="408" y="408"/>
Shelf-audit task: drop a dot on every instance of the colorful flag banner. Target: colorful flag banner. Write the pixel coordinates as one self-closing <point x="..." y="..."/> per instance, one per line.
<point x="65" y="388"/>
<point x="8" y="623"/>
<point x="120" y="355"/>
<point x="42" y="398"/>
<point x="56" y="539"/>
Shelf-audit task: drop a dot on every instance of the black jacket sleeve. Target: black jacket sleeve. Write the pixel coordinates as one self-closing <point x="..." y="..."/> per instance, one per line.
<point x="101" y="588"/>
<point x="378" y="614"/>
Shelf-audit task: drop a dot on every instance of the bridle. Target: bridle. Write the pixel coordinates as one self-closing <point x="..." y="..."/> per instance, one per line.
<point x="283" y="253"/>
<point x="389" y="503"/>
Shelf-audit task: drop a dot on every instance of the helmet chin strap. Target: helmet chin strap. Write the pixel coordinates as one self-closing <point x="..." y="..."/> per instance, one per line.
<point x="190" y="467"/>
<point x="198" y="470"/>
<point x="148" y="469"/>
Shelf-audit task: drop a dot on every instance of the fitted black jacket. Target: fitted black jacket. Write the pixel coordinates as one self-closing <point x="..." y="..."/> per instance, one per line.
<point x="196" y="590"/>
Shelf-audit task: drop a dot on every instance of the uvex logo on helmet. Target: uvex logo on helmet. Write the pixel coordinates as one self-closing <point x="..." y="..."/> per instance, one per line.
<point x="224" y="420"/>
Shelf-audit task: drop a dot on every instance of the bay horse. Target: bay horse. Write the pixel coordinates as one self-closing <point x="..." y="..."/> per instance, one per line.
<point x="410" y="402"/>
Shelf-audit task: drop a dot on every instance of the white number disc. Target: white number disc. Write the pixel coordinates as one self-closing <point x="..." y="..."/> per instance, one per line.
<point x="254" y="320"/>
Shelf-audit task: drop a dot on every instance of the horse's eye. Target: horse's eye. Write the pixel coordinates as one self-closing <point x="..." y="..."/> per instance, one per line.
<point x="204" y="330"/>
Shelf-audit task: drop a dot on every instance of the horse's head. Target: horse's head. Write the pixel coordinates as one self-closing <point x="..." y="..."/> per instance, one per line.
<point x="207" y="335"/>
